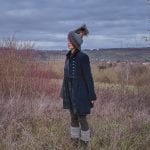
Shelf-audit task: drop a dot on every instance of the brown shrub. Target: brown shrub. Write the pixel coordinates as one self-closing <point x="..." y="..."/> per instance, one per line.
<point x="20" y="75"/>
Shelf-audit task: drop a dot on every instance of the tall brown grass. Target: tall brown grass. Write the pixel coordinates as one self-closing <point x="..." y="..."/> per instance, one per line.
<point x="19" y="76"/>
<point x="31" y="114"/>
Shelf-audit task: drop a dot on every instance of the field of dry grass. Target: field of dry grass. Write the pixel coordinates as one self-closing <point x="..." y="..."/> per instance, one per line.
<point x="31" y="114"/>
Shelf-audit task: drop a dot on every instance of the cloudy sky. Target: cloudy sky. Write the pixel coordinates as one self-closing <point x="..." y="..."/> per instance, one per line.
<point x="112" y="23"/>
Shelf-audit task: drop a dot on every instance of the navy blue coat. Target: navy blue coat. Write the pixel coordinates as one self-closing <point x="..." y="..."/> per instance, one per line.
<point x="78" y="68"/>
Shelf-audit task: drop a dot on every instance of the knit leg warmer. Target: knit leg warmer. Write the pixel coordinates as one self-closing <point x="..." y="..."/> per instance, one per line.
<point x="85" y="135"/>
<point x="75" y="132"/>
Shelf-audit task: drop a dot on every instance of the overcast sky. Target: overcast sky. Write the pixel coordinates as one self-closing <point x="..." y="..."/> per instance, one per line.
<point x="112" y="23"/>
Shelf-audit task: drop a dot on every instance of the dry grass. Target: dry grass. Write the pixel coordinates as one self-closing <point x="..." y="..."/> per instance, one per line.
<point x="32" y="118"/>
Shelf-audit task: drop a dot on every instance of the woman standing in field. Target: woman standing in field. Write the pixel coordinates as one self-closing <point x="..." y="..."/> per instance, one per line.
<point x="77" y="89"/>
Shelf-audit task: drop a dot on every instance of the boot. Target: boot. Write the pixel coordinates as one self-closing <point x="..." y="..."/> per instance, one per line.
<point x="75" y="135"/>
<point x="85" y="137"/>
<point x="83" y="145"/>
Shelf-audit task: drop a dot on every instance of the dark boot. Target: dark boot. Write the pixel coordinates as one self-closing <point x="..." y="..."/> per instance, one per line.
<point x="85" y="137"/>
<point x="84" y="144"/>
<point x="75" y="142"/>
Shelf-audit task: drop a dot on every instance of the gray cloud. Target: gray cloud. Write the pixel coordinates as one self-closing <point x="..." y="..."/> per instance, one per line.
<point x="47" y="22"/>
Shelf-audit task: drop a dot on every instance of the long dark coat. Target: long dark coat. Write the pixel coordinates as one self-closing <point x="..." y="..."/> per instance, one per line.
<point x="78" y="68"/>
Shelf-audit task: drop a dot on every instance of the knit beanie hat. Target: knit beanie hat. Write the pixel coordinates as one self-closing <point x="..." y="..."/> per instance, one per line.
<point x="75" y="39"/>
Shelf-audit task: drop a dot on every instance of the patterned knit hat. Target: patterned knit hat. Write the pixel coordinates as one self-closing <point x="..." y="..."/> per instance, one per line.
<point x="75" y="39"/>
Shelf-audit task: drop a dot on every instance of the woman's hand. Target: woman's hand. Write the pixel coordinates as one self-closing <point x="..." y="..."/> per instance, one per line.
<point x="92" y="104"/>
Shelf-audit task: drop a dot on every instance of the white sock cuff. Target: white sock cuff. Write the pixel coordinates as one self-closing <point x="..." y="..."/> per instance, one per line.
<point x="85" y="135"/>
<point x="75" y="132"/>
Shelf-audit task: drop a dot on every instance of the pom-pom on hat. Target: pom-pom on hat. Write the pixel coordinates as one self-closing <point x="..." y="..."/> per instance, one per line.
<point x="82" y="28"/>
<point x="75" y="39"/>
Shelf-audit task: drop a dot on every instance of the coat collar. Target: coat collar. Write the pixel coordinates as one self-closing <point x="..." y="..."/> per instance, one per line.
<point x="72" y="55"/>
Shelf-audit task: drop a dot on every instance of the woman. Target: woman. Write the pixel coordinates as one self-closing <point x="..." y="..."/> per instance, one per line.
<point x="77" y="89"/>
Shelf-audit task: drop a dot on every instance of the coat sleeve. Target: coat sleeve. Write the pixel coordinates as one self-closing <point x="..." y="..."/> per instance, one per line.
<point x="87" y="75"/>
<point x="62" y="86"/>
<point x="61" y="90"/>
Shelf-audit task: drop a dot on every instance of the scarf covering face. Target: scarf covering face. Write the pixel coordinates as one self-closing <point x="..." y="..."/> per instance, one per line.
<point x="75" y="39"/>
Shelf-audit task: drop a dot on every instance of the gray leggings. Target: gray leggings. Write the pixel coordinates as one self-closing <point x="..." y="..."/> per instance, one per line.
<point x="77" y="120"/>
